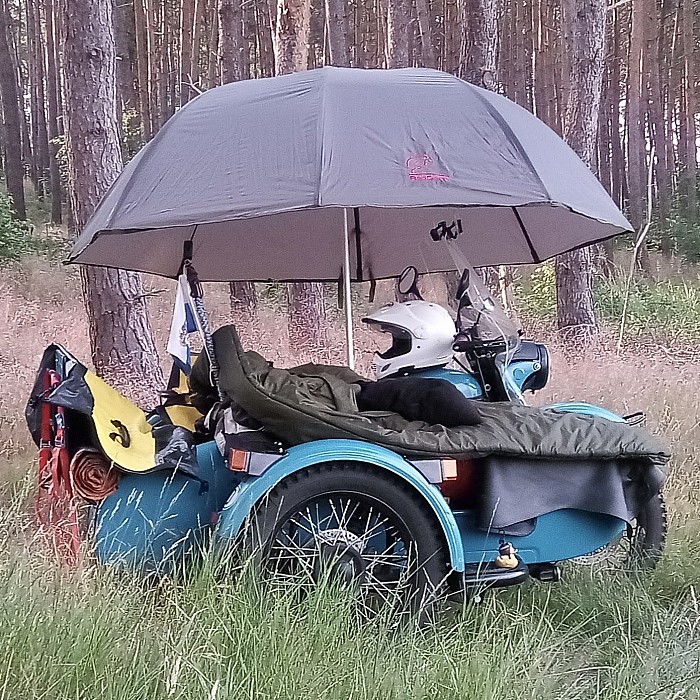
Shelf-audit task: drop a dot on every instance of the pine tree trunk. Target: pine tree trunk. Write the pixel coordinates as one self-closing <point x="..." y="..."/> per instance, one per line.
<point x="126" y="54"/>
<point x="691" y="75"/>
<point x="585" y="21"/>
<point x="337" y="21"/>
<point x="636" y="144"/>
<point x="28" y="86"/>
<point x="42" y="138"/>
<point x="266" y="29"/>
<point x="479" y="20"/>
<point x="427" y="40"/>
<point x="14" y="168"/>
<point x="52" y="104"/>
<point x="142" y="67"/>
<point x="233" y="51"/>
<point x="196" y="42"/>
<point x="654" y="32"/>
<point x="617" y="158"/>
<point x="398" y="18"/>
<point x="307" y="312"/>
<point x="234" y="60"/>
<point x="153" y="56"/>
<point x="123" y="350"/>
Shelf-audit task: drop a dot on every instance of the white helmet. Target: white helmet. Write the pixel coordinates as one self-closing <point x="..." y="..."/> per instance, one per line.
<point x="422" y="336"/>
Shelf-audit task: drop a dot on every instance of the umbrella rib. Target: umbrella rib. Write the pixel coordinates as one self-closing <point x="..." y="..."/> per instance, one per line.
<point x="535" y="257"/>
<point x="358" y="246"/>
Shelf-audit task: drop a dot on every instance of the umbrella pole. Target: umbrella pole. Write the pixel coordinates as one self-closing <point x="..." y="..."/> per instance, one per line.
<point x="346" y="291"/>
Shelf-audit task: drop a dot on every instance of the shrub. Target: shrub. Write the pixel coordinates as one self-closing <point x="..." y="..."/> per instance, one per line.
<point x="667" y="307"/>
<point x="15" y="235"/>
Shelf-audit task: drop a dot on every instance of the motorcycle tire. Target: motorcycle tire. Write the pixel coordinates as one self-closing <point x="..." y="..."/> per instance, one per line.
<point x="640" y="546"/>
<point x="365" y="526"/>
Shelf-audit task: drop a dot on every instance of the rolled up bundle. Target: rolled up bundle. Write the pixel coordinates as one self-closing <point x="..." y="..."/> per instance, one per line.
<point x="92" y="476"/>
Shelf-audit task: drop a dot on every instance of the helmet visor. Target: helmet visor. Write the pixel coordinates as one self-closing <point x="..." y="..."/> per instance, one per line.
<point x="400" y="339"/>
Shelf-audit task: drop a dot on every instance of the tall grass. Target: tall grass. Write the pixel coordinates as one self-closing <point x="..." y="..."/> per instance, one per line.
<point x="86" y="635"/>
<point x="89" y="635"/>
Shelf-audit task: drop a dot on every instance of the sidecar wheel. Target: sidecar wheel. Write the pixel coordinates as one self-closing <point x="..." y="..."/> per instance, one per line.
<point x="640" y="546"/>
<point x="352" y="524"/>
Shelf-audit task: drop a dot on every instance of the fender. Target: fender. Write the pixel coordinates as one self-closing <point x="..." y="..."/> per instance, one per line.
<point x="243" y="499"/>
<point x="587" y="409"/>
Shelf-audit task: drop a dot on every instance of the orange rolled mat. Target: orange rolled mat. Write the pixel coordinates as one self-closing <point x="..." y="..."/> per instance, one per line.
<point x="92" y="475"/>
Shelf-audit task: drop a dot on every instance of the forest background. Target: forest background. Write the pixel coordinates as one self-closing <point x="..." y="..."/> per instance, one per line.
<point x="618" y="79"/>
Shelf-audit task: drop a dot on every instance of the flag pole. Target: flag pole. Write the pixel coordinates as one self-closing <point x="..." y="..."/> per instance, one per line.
<point x="347" y="292"/>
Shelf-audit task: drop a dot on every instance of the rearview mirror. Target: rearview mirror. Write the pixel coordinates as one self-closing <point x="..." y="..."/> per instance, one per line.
<point x="407" y="284"/>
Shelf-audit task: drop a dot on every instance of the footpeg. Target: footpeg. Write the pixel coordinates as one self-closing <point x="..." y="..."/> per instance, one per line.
<point x="548" y="573"/>
<point x="489" y="575"/>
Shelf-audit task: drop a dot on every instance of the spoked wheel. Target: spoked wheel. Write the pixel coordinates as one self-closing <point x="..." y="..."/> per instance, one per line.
<point x="640" y="546"/>
<point x="350" y="524"/>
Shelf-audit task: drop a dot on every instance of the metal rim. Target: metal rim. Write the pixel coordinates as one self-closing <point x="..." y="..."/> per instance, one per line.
<point x="351" y="539"/>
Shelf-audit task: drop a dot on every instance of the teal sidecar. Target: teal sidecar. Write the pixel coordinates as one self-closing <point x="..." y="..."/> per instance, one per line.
<point x="379" y="515"/>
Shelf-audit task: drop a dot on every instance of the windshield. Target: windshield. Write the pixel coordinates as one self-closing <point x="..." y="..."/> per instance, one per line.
<point x="482" y="316"/>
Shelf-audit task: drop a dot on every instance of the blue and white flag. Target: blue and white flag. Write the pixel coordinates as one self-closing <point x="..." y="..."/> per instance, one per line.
<point x="183" y="323"/>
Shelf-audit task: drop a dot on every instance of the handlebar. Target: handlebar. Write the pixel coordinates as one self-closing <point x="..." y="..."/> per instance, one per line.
<point x="467" y="344"/>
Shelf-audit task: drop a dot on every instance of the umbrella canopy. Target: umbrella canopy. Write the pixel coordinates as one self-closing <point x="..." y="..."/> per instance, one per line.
<point x="260" y="175"/>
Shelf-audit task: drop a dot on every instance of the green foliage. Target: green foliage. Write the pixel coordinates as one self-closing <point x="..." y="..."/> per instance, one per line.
<point x="15" y="236"/>
<point x="132" y="139"/>
<point x="666" y="307"/>
<point x="663" y="308"/>
<point x="18" y="240"/>
<point x="538" y="293"/>
<point x="686" y="236"/>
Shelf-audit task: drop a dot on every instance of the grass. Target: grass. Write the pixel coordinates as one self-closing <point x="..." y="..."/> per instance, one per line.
<point x="85" y="634"/>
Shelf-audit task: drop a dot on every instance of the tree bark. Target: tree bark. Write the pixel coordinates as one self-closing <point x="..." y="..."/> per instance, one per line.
<point x="307" y="312"/>
<point x="585" y="20"/>
<point x="292" y="36"/>
<point x="691" y="75"/>
<point x="196" y="43"/>
<point x="233" y="51"/>
<point x="479" y="20"/>
<point x="655" y="34"/>
<point x="52" y="124"/>
<point x="126" y="54"/>
<point x="337" y="23"/>
<point x="427" y="40"/>
<point x="398" y="18"/>
<point x="234" y="60"/>
<point x="142" y="67"/>
<point x="636" y="143"/>
<point x="123" y="350"/>
<point x="41" y="150"/>
<point x="28" y="86"/>
<point x="9" y="90"/>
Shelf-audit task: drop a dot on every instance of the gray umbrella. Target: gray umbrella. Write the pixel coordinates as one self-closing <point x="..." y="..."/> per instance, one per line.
<point x="266" y="176"/>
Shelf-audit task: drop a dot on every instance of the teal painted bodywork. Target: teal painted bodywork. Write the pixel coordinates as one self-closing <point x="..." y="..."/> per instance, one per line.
<point x="467" y="383"/>
<point x="587" y="409"/>
<point x="252" y="489"/>
<point x="557" y="536"/>
<point x="158" y="521"/>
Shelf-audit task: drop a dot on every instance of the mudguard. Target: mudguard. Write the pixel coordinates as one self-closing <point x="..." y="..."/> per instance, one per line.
<point x="244" y="498"/>
<point x="587" y="409"/>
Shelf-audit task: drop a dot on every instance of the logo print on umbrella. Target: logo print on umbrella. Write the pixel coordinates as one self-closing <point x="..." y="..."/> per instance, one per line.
<point x="418" y="166"/>
<point x="447" y="231"/>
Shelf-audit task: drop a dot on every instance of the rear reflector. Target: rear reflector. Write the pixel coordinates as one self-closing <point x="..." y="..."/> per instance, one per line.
<point x="449" y="469"/>
<point x="238" y="460"/>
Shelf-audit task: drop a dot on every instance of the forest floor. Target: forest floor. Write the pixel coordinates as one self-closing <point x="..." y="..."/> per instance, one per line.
<point x="86" y="635"/>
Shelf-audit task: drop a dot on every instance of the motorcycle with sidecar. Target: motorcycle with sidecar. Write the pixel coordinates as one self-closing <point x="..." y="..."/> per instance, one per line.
<point x="281" y="463"/>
